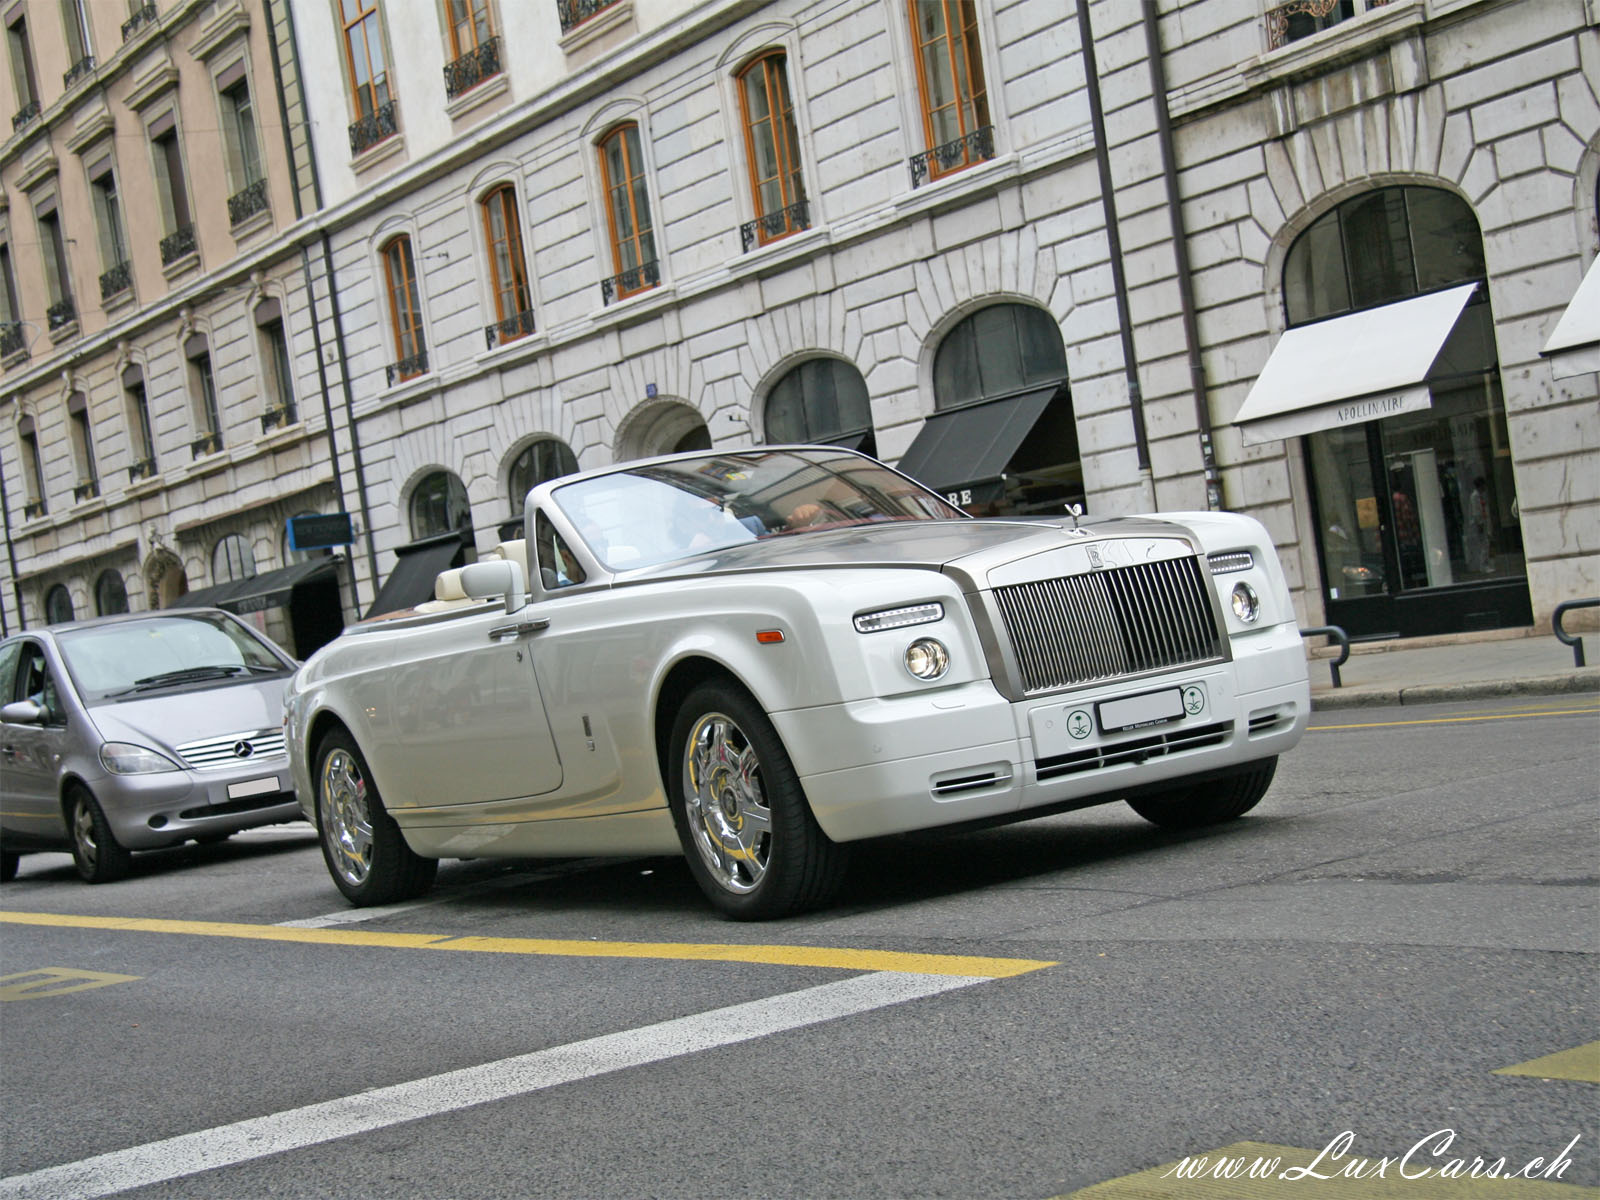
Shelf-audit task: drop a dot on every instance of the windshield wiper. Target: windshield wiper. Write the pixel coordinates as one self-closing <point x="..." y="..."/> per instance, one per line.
<point x="186" y="675"/>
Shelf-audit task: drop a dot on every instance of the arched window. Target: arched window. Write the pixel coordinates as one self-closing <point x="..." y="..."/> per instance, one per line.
<point x="57" y="605"/>
<point x="544" y="460"/>
<point x="772" y="150"/>
<point x="439" y="505"/>
<point x="232" y="558"/>
<point x="821" y="400"/>
<point x="998" y="351"/>
<point x="1424" y="500"/>
<point x="110" y="593"/>
<point x="405" y="311"/>
<point x="508" y="268"/>
<point x="633" y="239"/>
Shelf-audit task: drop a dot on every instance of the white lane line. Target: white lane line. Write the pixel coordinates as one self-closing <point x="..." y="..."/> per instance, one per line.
<point x="354" y="916"/>
<point x="225" y="1145"/>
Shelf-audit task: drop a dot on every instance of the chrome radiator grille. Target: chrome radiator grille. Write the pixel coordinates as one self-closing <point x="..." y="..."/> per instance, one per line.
<point x="1081" y="628"/>
<point x="225" y="751"/>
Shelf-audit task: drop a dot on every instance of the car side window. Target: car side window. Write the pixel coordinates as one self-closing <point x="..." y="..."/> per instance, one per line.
<point x="558" y="568"/>
<point x="34" y="682"/>
<point x="10" y="653"/>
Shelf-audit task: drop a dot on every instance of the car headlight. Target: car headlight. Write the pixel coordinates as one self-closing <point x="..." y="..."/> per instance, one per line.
<point x="1246" y="604"/>
<point x="124" y="758"/>
<point x="927" y="658"/>
<point x="898" y="618"/>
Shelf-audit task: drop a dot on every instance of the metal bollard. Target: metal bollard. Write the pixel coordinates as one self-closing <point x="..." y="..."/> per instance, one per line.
<point x="1338" y="635"/>
<point x="1575" y="640"/>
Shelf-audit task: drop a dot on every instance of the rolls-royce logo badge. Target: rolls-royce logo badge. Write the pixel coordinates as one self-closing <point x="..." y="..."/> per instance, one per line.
<point x="243" y="749"/>
<point x="1095" y="560"/>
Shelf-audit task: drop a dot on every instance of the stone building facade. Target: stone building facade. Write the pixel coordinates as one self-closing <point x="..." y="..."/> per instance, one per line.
<point x="1041" y="251"/>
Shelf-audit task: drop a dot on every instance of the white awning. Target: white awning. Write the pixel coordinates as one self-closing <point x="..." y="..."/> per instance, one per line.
<point x="1350" y="369"/>
<point x="1574" y="345"/>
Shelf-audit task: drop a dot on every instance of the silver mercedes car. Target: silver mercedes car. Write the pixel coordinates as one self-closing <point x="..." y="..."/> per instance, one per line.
<point x="136" y="732"/>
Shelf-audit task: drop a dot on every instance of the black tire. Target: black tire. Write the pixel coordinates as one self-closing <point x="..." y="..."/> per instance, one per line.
<point x="8" y="866"/>
<point x="95" y="850"/>
<point x="753" y="845"/>
<point x="1210" y="803"/>
<point x="362" y="846"/>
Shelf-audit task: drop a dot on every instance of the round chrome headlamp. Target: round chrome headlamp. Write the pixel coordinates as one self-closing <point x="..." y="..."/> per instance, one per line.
<point x="927" y="658"/>
<point x="1246" y="604"/>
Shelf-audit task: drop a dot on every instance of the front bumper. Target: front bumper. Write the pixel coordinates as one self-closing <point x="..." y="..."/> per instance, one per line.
<point x="147" y="812"/>
<point x="966" y="753"/>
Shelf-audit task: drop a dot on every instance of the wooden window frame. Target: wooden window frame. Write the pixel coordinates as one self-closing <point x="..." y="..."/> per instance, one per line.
<point x="405" y="300"/>
<point x="369" y="13"/>
<point x="770" y="64"/>
<point x="502" y="199"/>
<point x="457" y="48"/>
<point x="967" y="70"/>
<point x="635" y="172"/>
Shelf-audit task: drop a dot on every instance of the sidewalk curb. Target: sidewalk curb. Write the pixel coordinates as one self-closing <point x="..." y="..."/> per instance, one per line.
<point x="1327" y="698"/>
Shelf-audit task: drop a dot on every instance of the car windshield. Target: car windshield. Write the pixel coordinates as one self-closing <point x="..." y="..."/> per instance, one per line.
<point x="665" y="511"/>
<point x="130" y="658"/>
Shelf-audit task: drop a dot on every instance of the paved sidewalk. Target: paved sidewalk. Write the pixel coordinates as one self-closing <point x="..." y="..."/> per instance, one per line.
<point x="1425" y="671"/>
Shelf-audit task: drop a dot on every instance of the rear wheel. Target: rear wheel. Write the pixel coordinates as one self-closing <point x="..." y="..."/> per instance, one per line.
<point x="365" y="852"/>
<point x="8" y="867"/>
<point x="1208" y="803"/>
<point x="95" y="851"/>
<point x="752" y="843"/>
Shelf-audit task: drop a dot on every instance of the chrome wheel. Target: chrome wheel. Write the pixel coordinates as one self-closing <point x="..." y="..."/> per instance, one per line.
<point x="346" y="817"/>
<point x="84" y="836"/>
<point x="725" y="803"/>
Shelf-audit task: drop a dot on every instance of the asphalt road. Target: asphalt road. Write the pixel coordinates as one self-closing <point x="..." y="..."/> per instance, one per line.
<point x="1022" y="1012"/>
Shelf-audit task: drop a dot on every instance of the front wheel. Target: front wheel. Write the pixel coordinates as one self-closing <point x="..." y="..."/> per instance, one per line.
<point x="95" y="851"/>
<point x="1193" y="805"/>
<point x="747" y="830"/>
<point x="365" y="852"/>
<point x="8" y="866"/>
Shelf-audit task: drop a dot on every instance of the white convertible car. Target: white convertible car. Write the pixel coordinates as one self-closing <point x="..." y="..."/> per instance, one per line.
<point x="756" y="657"/>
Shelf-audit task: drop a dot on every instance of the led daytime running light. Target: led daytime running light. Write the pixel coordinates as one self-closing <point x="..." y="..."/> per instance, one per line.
<point x="1228" y="561"/>
<point x="898" y="618"/>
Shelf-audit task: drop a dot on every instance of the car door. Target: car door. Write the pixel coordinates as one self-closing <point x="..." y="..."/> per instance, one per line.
<point x="31" y="752"/>
<point x="467" y="722"/>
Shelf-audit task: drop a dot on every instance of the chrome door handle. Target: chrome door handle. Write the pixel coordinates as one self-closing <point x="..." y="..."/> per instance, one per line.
<point x="520" y="628"/>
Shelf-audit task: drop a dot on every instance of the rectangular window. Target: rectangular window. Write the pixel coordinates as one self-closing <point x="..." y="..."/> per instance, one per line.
<point x="80" y="48"/>
<point x="405" y="310"/>
<point x="140" y="433"/>
<point x="239" y="134"/>
<point x="53" y="249"/>
<point x="633" y="244"/>
<point x="955" y="100"/>
<point x="471" y="25"/>
<point x="22" y="74"/>
<point x="108" y="219"/>
<point x="82" y="441"/>
<point x="772" y="147"/>
<point x="275" y="362"/>
<point x="10" y="310"/>
<point x="363" y="47"/>
<point x="507" y="266"/>
<point x="170" y="187"/>
<point x="1302" y="18"/>
<point x="207" y="419"/>
<point x="33" y="469"/>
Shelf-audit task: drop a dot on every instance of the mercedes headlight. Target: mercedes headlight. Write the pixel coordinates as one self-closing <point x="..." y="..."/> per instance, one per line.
<point x="125" y="758"/>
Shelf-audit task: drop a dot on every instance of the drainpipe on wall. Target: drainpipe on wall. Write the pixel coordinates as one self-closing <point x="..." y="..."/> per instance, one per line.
<point x="1180" y="253"/>
<point x="11" y="553"/>
<point x="1119" y="281"/>
<point x="283" y="116"/>
<point x="349" y="410"/>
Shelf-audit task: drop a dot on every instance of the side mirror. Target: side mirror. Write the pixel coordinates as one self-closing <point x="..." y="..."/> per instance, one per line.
<point x="493" y="578"/>
<point x="23" y="712"/>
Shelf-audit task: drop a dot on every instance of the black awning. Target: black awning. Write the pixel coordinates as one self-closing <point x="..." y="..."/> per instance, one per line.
<point x="416" y="567"/>
<point x="847" y="441"/>
<point x="271" y="589"/>
<point x="963" y="448"/>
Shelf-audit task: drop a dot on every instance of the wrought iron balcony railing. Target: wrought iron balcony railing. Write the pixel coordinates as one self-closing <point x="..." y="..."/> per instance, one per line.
<point x="207" y="443"/>
<point x="773" y="225"/>
<point x="24" y="114"/>
<point x="509" y="330"/>
<point x="575" y="12"/>
<point x="370" y="130"/>
<point x="86" y="489"/>
<point x="407" y="368"/>
<point x="142" y="469"/>
<point x="247" y="203"/>
<point x="472" y="68"/>
<point x="33" y="509"/>
<point x="277" y="418"/>
<point x="1301" y="18"/>
<point x="145" y="16"/>
<point x="177" y="244"/>
<point x="12" y="339"/>
<point x="635" y="279"/>
<point x="81" y="69"/>
<point x="61" y="314"/>
<point x="962" y="152"/>
<point x="117" y="280"/>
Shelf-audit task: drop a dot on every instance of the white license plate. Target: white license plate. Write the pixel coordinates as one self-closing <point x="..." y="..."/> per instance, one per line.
<point x="1135" y="712"/>
<point x="253" y="787"/>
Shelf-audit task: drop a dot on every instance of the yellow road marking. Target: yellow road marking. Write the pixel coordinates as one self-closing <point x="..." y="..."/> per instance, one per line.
<point x="1553" y="712"/>
<point x="1581" y="1063"/>
<point x="1202" y="1183"/>
<point x="46" y="982"/>
<point x="788" y="956"/>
